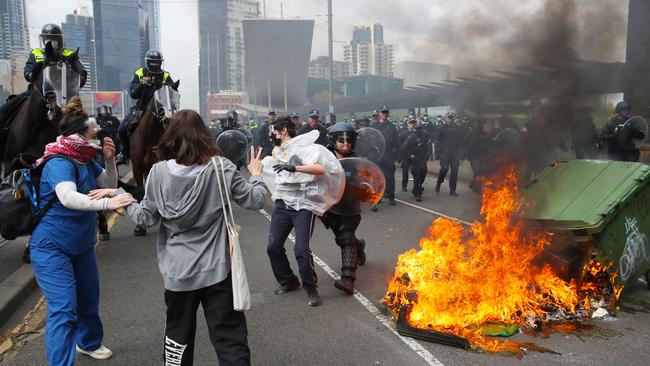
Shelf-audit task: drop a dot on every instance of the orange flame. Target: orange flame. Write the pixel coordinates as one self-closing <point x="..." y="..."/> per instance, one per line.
<point x="463" y="278"/>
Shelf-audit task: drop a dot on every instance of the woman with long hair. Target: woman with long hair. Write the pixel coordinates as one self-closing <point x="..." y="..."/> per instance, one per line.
<point x="182" y="194"/>
<point x="63" y="243"/>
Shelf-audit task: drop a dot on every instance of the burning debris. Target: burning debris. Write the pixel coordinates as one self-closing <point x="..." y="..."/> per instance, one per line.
<point x="464" y="285"/>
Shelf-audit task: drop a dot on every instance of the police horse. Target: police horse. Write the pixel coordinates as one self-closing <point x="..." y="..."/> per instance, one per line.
<point x="150" y="128"/>
<point x="35" y="122"/>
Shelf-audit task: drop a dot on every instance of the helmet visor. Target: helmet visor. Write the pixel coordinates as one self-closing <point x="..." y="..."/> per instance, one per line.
<point x="55" y="40"/>
<point x="346" y="138"/>
<point x="154" y="66"/>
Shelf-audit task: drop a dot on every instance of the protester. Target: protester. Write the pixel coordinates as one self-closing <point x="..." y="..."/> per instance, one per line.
<point x="307" y="180"/>
<point x="63" y="244"/>
<point x="183" y="195"/>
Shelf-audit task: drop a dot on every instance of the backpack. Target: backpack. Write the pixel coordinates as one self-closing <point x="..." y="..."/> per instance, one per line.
<point x="19" y="200"/>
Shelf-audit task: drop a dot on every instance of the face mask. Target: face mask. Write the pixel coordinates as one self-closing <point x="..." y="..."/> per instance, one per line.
<point x="273" y="137"/>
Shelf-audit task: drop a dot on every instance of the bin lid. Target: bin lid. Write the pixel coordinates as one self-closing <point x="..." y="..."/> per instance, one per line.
<point x="582" y="194"/>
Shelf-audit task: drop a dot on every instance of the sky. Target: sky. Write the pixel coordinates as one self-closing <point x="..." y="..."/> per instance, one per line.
<point x="438" y="31"/>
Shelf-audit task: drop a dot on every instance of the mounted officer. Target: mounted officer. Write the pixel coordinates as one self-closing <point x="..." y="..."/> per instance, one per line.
<point x="50" y="33"/>
<point x="143" y="85"/>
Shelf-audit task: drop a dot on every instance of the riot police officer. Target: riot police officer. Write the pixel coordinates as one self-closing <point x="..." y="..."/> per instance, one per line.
<point x="416" y="148"/>
<point x="450" y="144"/>
<point x="264" y="135"/>
<point x="146" y="80"/>
<point x="314" y="124"/>
<point x="405" y="162"/>
<point x="387" y="162"/>
<point x="611" y="134"/>
<point x="342" y="138"/>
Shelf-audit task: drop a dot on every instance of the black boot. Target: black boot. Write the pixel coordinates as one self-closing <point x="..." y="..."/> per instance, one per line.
<point x="349" y="260"/>
<point x="291" y="286"/>
<point x="312" y="296"/>
<point x="123" y="156"/>
<point x="345" y="284"/>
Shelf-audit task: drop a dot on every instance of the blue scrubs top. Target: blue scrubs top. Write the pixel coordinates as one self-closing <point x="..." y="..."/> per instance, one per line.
<point x="72" y="231"/>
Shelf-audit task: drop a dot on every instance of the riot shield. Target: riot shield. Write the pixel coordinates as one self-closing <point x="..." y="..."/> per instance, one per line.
<point x="370" y="144"/>
<point x="60" y="83"/>
<point x="234" y="145"/>
<point x="364" y="186"/>
<point x="166" y="101"/>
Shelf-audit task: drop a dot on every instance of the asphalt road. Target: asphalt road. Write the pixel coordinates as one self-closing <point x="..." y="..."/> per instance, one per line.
<point x="283" y="330"/>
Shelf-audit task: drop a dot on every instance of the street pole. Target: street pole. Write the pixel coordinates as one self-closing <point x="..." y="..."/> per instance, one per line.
<point x="331" y="53"/>
<point x="286" y="107"/>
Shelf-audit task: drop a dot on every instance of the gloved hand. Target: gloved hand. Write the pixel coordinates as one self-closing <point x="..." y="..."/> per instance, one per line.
<point x="288" y="167"/>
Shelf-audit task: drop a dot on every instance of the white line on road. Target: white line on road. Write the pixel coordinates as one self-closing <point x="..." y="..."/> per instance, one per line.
<point x="430" y="359"/>
<point x="435" y="212"/>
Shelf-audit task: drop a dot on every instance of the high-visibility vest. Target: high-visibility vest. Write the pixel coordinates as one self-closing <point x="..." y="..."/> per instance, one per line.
<point x="140" y="74"/>
<point x="39" y="54"/>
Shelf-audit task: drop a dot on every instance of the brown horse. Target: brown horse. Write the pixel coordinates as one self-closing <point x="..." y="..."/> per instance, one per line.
<point x="147" y="134"/>
<point x="36" y="122"/>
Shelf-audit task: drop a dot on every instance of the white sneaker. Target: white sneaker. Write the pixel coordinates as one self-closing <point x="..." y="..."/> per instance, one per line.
<point x="101" y="353"/>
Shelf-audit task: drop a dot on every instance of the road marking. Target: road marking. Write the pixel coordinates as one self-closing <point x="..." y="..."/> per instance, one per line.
<point x="434" y="212"/>
<point x="430" y="359"/>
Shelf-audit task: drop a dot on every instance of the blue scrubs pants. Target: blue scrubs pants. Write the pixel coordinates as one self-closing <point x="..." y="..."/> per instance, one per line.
<point x="70" y="284"/>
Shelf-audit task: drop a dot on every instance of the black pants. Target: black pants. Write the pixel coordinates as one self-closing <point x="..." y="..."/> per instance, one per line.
<point x="406" y="166"/>
<point x="419" y="170"/>
<point x="388" y="167"/>
<point x="446" y="162"/>
<point x="227" y="327"/>
<point x="344" y="229"/>
<point x="283" y="219"/>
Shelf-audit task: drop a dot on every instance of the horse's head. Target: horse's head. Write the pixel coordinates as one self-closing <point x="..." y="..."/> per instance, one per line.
<point x="57" y="82"/>
<point x="166" y="101"/>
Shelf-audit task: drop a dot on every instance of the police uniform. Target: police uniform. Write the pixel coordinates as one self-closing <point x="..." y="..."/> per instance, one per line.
<point x="387" y="162"/>
<point x="450" y="142"/>
<point x="416" y="149"/>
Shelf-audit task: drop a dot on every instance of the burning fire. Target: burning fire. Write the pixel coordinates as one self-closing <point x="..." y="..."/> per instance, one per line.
<point x="464" y="278"/>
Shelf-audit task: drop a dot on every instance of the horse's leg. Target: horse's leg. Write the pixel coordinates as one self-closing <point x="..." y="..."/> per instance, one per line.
<point x="137" y="177"/>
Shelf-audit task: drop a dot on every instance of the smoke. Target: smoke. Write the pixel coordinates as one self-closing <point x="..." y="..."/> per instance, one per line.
<point x="503" y="35"/>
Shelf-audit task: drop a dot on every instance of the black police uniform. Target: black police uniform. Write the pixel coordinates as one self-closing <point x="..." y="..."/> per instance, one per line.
<point x="264" y="139"/>
<point x="450" y="144"/>
<point x="387" y="162"/>
<point x="405" y="162"/>
<point x="615" y="150"/>
<point x="416" y="149"/>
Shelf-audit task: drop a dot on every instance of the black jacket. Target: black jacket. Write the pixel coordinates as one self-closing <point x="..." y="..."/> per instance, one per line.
<point x="36" y="59"/>
<point x="451" y="139"/>
<point x="143" y="92"/>
<point x="389" y="131"/>
<point x="417" y="146"/>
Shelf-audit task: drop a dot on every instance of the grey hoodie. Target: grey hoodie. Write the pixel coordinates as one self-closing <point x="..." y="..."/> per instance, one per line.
<point x="193" y="240"/>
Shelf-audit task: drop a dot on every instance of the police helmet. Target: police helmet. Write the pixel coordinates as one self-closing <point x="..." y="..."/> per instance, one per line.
<point x="104" y="109"/>
<point x="314" y="114"/>
<point x="623" y="107"/>
<point x="295" y="115"/>
<point x="52" y="33"/>
<point x="374" y="113"/>
<point x="330" y="118"/>
<point x="384" y="109"/>
<point x="271" y="111"/>
<point x="342" y="129"/>
<point x="153" y="61"/>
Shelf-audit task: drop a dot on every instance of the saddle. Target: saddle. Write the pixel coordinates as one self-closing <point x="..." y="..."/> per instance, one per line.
<point x="132" y="120"/>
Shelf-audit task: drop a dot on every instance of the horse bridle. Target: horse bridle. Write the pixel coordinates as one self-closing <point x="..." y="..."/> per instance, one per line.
<point x="164" y="122"/>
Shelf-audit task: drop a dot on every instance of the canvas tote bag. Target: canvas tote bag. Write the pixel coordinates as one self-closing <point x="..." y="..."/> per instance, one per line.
<point x="240" y="291"/>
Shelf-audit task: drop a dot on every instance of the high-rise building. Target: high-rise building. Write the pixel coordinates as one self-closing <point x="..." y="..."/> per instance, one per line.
<point x="121" y="40"/>
<point x="320" y="68"/>
<point x="151" y="9"/>
<point x="14" y="36"/>
<point x="221" y="49"/>
<point x="79" y="32"/>
<point x="367" y="54"/>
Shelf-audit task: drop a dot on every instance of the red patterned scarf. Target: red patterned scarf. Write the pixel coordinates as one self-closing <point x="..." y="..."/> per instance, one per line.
<point x="73" y="146"/>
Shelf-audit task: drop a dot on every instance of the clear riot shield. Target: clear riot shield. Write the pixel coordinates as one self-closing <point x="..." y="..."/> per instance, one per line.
<point x="364" y="186"/>
<point x="61" y="83"/>
<point x="166" y="101"/>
